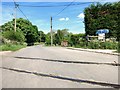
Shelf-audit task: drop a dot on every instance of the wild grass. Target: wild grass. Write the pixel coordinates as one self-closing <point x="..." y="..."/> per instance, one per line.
<point x="11" y="47"/>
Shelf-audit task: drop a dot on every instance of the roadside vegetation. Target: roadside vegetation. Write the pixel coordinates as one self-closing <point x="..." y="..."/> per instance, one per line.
<point x="97" y="16"/>
<point x="11" y="41"/>
<point x="103" y="16"/>
<point x="11" y="47"/>
<point x="25" y="31"/>
<point x="79" y="41"/>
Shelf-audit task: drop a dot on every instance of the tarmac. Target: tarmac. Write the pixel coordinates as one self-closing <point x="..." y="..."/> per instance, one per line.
<point x="103" y="51"/>
<point x="5" y="52"/>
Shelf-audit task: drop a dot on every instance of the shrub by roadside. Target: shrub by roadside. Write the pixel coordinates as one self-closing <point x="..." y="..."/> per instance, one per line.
<point x="14" y="36"/>
<point x="98" y="45"/>
<point x="11" y="41"/>
<point x="118" y="50"/>
<point x="11" y="47"/>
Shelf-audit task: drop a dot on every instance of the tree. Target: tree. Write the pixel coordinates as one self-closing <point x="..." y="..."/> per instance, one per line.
<point x="48" y="39"/>
<point x="58" y="36"/>
<point x="102" y="16"/>
<point x="41" y="36"/>
<point x="14" y="36"/>
<point x="30" y="31"/>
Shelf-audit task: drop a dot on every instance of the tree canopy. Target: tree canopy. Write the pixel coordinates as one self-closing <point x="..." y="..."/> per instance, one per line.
<point x="64" y="35"/>
<point x="102" y="16"/>
<point x="30" y="31"/>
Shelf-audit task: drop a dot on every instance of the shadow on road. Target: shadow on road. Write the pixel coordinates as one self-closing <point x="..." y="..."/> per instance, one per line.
<point x="65" y="78"/>
<point x="64" y="61"/>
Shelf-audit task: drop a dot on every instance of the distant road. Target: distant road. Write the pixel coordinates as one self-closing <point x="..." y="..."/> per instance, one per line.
<point x="57" y="67"/>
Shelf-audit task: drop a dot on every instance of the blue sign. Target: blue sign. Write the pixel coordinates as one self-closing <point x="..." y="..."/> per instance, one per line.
<point x="101" y="31"/>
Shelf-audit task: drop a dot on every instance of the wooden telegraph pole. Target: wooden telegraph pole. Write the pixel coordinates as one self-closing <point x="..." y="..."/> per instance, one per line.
<point x="51" y="32"/>
<point x="15" y="17"/>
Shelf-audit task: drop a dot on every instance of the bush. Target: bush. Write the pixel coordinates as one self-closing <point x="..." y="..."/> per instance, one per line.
<point x="98" y="45"/>
<point x="77" y="46"/>
<point x="11" y="47"/>
<point x="91" y="45"/>
<point x="110" y="45"/>
<point x="14" y="36"/>
<point x="118" y="49"/>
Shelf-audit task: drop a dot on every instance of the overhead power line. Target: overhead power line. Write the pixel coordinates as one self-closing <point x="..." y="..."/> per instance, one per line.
<point x="64" y="8"/>
<point x="23" y="13"/>
<point x="77" y="4"/>
<point x="17" y="6"/>
<point x="53" y="5"/>
<point x="15" y="14"/>
<point x="14" y="2"/>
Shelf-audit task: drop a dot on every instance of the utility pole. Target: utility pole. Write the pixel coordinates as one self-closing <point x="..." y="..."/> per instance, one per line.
<point x="40" y="36"/>
<point x="15" y="16"/>
<point x="51" y="32"/>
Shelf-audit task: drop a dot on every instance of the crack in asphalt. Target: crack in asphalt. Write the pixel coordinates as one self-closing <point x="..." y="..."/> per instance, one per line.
<point x="63" y="61"/>
<point x="117" y="86"/>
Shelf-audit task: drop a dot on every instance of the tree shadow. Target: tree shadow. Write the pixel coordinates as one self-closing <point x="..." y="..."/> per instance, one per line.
<point x="68" y="61"/>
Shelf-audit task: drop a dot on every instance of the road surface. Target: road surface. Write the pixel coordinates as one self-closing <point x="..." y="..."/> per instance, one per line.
<point x="57" y="67"/>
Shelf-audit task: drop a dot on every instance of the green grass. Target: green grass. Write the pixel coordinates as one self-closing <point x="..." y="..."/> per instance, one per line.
<point x="11" y="47"/>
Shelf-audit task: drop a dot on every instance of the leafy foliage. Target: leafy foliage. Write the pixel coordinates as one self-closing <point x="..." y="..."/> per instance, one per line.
<point x="14" y="36"/>
<point x="41" y="36"/>
<point x="30" y="31"/>
<point x="103" y="16"/>
<point x="64" y="35"/>
<point x="11" y="47"/>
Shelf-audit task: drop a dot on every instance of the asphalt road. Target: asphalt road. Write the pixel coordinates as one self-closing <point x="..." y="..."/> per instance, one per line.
<point x="57" y="67"/>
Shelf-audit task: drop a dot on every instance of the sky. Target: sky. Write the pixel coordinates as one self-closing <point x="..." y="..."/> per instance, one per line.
<point x="71" y="17"/>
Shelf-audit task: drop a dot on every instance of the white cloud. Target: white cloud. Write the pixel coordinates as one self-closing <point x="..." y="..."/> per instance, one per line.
<point x="64" y="19"/>
<point x="67" y="19"/>
<point x="81" y="16"/>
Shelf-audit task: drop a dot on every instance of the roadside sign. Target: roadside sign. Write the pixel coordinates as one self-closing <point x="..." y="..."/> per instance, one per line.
<point x="101" y="31"/>
<point x="101" y="36"/>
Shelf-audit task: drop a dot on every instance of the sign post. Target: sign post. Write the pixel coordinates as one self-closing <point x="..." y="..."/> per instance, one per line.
<point x="101" y="34"/>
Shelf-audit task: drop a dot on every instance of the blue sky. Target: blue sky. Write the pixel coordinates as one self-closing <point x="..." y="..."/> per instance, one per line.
<point x="71" y="18"/>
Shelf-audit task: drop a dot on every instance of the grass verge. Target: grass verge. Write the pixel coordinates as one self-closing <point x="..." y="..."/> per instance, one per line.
<point x="11" y="47"/>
